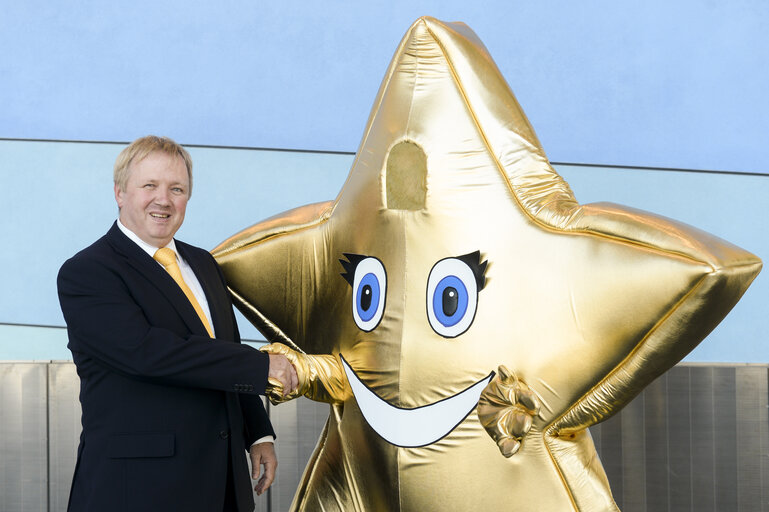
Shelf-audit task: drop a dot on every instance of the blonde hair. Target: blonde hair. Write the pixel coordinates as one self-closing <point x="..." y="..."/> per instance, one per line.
<point x="139" y="149"/>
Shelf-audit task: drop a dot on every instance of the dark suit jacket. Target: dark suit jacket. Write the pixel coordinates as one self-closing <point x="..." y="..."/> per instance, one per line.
<point x="165" y="407"/>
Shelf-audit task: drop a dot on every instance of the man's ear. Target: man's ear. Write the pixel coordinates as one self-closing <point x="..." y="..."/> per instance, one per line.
<point x="118" y="196"/>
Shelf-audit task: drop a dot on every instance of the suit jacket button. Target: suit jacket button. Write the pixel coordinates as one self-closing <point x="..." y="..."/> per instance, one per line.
<point x="224" y="434"/>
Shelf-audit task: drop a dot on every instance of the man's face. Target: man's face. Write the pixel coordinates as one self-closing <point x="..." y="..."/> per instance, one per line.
<point x="155" y="197"/>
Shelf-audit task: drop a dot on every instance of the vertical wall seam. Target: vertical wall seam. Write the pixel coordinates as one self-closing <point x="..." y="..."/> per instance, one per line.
<point x="268" y="410"/>
<point x="691" y="466"/>
<point x="667" y="437"/>
<point x="48" y="435"/>
<point x="764" y="448"/>
<point x="714" y="494"/>
<point x="643" y="451"/>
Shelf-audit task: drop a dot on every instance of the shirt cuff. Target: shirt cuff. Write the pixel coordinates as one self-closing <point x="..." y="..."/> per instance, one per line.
<point x="265" y="439"/>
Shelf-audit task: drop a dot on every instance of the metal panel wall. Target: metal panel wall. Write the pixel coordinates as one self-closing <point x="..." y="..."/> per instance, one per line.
<point x="298" y="425"/>
<point x="23" y="438"/>
<point x="63" y="431"/>
<point x="697" y="439"/>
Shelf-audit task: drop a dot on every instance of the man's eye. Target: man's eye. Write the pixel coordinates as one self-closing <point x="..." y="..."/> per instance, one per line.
<point x="149" y="185"/>
<point x="177" y="190"/>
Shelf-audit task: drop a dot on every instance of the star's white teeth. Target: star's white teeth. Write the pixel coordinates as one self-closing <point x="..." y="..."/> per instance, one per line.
<point x="160" y="215"/>
<point x="414" y="427"/>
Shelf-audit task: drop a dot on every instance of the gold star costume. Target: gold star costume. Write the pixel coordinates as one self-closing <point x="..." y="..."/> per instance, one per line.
<point x="454" y="251"/>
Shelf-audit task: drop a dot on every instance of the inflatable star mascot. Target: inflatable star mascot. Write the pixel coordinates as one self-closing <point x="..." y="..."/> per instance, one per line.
<point x="465" y="318"/>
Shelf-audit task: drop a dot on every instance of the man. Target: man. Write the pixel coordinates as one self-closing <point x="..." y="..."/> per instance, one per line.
<point x="170" y="397"/>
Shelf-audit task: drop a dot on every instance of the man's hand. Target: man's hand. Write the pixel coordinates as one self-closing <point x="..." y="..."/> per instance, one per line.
<point x="282" y="374"/>
<point x="263" y="454"/>
<point x="506" y="409"/>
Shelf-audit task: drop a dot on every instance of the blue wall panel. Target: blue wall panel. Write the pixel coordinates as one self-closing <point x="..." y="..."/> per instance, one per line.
<point x="57" y="198"/>
<point x="656" y="83"/>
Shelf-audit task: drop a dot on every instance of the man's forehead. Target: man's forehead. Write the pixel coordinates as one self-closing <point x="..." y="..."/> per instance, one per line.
<point x="158" y="161"/>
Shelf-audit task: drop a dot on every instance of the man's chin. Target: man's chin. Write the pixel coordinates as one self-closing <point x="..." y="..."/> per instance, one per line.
<point x="161" y="238"/>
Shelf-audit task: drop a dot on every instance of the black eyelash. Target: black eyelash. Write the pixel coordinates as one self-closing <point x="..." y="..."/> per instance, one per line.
<point x="350" y="266"/>
<point x="473" y="260"/>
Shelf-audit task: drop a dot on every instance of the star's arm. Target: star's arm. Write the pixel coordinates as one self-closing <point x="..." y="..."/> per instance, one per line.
<point x="272" y="276"/>
<point x="723" y="272"/>
<point x="321" y="377"/>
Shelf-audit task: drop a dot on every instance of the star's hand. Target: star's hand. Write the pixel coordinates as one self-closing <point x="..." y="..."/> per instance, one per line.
<point x="320" y="377"/>
<point x="506" y="409"/>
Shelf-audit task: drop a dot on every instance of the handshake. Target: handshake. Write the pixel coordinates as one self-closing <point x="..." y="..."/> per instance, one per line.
<point x="282" y="375"/>
<point x="319" y="377"/>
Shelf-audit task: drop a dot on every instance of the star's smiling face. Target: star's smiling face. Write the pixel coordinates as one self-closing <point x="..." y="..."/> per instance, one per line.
<point x="451" y="301"/>
<point x="408" y="311"/>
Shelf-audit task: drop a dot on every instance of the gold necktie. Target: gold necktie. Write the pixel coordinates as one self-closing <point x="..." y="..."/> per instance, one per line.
<point x="167" y="258"/>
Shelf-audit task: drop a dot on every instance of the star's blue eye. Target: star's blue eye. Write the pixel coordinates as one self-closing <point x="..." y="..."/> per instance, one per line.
<point x="367" y="298"/>
<point x="450" y="301"/>
<point x="452" y="297"/>
<point x="368" y="290"/>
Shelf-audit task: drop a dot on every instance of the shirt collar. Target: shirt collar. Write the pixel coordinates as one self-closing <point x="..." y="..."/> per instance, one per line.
<point x="148" y="248"/>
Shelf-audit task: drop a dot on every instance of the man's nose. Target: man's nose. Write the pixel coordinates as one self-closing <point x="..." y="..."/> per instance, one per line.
<point x="162" y="197"/>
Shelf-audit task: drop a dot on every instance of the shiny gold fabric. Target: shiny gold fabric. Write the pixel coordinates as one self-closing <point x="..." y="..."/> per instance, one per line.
<point x="586" y="304"/>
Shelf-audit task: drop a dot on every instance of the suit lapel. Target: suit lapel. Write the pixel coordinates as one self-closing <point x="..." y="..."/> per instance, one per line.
<point x="147" y="267"/>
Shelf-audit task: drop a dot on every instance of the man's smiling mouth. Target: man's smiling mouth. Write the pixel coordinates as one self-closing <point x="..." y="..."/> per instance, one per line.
<point x="420" y="426"/>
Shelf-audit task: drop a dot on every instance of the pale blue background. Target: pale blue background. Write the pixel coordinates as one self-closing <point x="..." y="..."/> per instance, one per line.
<point x="654" y="83"/>
<point x="661" y="84"/>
